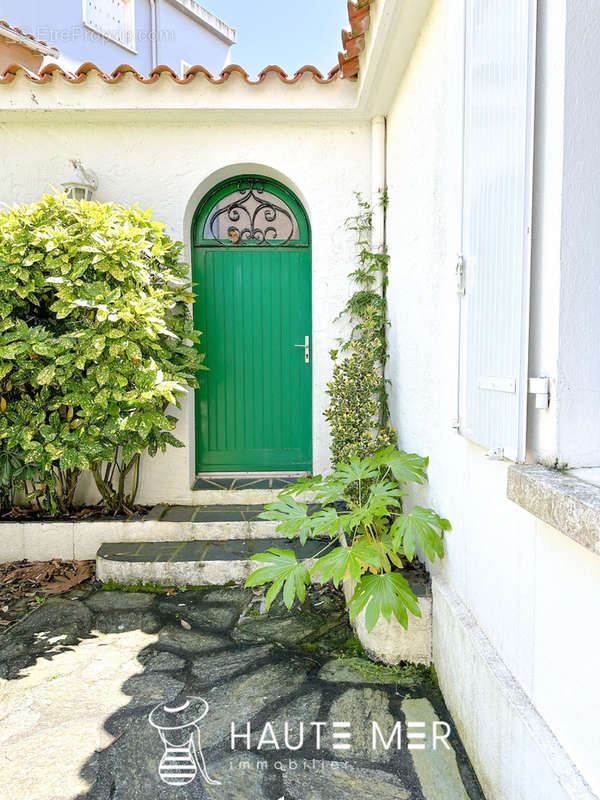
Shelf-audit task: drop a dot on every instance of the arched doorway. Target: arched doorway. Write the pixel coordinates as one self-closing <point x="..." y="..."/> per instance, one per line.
<point x="251" y="264"/>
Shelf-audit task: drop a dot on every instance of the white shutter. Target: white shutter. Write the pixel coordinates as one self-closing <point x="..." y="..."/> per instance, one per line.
<point x="496" y="228"/>
<point x="111" y="18"/>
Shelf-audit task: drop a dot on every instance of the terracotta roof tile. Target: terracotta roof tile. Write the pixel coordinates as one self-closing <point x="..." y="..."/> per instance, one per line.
<point x="353" y="42"/>
<point x="13" y="29"/>
<point x="80" y="74"/>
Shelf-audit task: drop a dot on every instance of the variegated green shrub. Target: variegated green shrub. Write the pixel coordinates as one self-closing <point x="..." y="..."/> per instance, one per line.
<point x="358" y="408"/>
<point x="96" y="340"/>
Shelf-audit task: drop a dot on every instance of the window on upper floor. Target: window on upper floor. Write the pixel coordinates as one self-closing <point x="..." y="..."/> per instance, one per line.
<point x="113" y="19"/>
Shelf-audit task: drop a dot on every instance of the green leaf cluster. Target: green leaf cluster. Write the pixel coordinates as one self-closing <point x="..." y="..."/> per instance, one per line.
<point x="96" y="341"/>
<point x="367" y="536"/>
<point x="355" y="391"/>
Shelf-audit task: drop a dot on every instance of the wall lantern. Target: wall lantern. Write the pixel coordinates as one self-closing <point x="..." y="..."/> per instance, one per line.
<point x="83" y="182"/>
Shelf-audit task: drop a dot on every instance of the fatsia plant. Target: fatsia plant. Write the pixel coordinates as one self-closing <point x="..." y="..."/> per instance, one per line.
<point x="96" y="340"/>
<point x="366" y="535"/>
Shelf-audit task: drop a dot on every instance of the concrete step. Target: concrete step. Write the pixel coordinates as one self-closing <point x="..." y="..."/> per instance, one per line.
<point x="176" y="524"/>
<point x="190" y="563"/>
<point x="239" y="521"/>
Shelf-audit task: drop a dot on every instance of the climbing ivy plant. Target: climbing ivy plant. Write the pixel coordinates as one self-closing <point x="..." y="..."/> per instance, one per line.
<point x="358" y="412"/>
<point x="96" y="340"/>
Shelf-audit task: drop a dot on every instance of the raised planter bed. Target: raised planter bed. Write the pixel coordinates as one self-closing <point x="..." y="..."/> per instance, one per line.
<point x="389" y="642"/>
<point x="45" y="540"/>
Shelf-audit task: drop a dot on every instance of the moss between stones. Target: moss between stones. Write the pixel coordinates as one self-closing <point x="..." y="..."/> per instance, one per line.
<point x="153" y="588"/>
<point x="434" y="676"/>
<point x="352" y="647"/>
<point x="402" y="673"/>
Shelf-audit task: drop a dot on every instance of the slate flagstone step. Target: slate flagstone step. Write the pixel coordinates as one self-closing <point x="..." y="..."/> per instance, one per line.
<point x="208" y="522"/>
<point x="190" y="563"/>
<point x="180" y="524"/>
<point x="210" y="513"/>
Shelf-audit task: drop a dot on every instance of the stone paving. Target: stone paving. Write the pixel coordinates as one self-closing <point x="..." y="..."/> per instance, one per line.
<point x="80" y="675"/>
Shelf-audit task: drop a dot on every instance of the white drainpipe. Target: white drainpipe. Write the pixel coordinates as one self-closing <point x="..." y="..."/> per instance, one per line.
<point x="378" y="187"/>
<point x="154" y="33"/>
<point x="378" y="182"/>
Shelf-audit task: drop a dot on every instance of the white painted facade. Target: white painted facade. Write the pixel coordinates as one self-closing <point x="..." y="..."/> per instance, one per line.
<point x="526" y="700"/>
<point x="516" y="602"/>
<point x="169" y="163"/>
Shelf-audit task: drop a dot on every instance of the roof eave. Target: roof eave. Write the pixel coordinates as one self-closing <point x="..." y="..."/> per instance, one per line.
<point x="394" y="30"/>
<point x="209" y="21"/>
<point x="8" y="32"/>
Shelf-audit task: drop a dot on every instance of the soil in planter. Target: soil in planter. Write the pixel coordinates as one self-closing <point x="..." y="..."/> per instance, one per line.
<point x="90" y="513"/>
<point x="415" y="572"/>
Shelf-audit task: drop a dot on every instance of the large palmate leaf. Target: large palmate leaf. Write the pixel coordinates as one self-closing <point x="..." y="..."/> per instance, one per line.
<point x="302" y="485"/>
<point x="325" y="522"/>
<point x="340" y="563"/>
<point x="291" y="515"/>
<point x="357" y="470"/>
<point x="330" y="490"/>
<point x="284" y="572"/>
<point x="371" y="526"/>
<point x="346" y="562"/>
<point x="384" y="595"/>
<point x="384" y="496"/>
<point x="420" y="526"/>
<point x="405" y="467"/>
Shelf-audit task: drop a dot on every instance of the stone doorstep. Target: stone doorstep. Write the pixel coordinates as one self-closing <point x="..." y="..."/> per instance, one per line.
<point x="231" y="512"/>
<point x="250" y="481"/>
<point x="191" y="563"/>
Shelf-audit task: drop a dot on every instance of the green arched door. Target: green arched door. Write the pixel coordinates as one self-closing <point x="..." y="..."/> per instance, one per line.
<point x="252" y="269"/>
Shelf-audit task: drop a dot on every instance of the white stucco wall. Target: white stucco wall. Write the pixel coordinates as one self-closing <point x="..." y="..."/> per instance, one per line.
<point x="169" y="166"/>
<point x="532" y="592"/>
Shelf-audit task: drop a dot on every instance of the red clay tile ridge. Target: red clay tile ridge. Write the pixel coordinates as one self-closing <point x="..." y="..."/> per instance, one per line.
<point x="27" y="39"/>
<point x="353" y="41"/>
<point x="48" y="72"/>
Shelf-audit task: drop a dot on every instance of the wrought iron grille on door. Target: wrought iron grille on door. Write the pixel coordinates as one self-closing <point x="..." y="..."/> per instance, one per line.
<point x="251" y="212"/>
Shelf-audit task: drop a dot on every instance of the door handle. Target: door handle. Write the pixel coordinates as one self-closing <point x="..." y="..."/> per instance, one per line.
<point x="306" y="347"/>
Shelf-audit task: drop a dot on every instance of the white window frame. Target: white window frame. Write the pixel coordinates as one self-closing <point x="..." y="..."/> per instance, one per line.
<point x="130" y="33"/>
